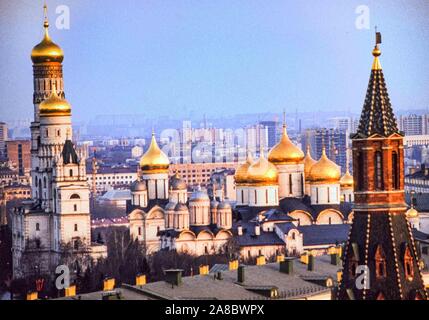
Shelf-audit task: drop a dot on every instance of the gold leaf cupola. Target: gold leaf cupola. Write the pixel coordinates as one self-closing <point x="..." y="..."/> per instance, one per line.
<point x="346" y="180"/>
<point x="54" y="106"/>
<point x="46" y="50"/>
<point x="154" y="160"/>
<point x="285" y="152"/>
<point x="308" y="162"/>
<point x="262" y="172"/>
<point x="241" y="173"/>
<point x="324" y="171"/>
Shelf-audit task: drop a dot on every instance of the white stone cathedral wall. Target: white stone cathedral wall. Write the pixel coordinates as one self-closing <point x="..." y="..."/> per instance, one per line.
<point x="258" y="196"/>
<point x="297" y="173"/>
<point x="319" y="194"/>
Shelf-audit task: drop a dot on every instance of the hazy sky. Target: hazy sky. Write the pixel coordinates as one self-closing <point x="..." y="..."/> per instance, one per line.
<point x="219" y="57"/>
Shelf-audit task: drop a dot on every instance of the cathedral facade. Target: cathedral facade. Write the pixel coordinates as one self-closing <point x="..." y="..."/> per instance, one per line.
<point x="286" y="203"/>
<point x="57" y="218"/>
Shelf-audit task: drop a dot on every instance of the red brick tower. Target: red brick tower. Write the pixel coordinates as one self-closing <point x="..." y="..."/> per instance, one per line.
<point x="380" y="237"/>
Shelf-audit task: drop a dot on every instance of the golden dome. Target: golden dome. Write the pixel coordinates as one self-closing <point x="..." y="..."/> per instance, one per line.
<point x="346" y="180"/>
<point x="412" y="213"/>
<point x="54" y="106"/>
<point x="262" y="172"/>
<point x="324" y="171"/>
<point x="308" y="163"/>
<point x="47" y="50"/>
<point x="285" y="152"/>
<point x="154" y="160"/>
<point x="241" y="172"/>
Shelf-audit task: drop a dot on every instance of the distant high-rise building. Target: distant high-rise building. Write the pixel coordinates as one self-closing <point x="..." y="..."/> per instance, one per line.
<point x="414" y="124"/>
<point x="272" y="131"/>
<point x="334" y="140"/>
<point x="18" y="152"/>
<point x="3" y="137"/>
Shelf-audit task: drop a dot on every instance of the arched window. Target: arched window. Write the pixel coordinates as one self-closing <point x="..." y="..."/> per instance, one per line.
<point x="302" y="183"/>
<point x="256" y="196"/>
<point x="75" y="207"/>
<point x="290" y="183"/>
<point x="395" y="171"/>
<point x="380" y="296"/>
<point x="408" y="264"/>
<point x="360" y="173"/>
<point x="380" y="263"/>
<point x="242" y="196"/>
<point x="378" y="171"/>
<point x="74" y="196"/>
<point x="266" y="196"/>
<point x="139" y="231"/>
<point x="44" y="182"/>
<point x="75" y="227"/>
<point x="71" y="172"/>
<point x="37" y="227"/>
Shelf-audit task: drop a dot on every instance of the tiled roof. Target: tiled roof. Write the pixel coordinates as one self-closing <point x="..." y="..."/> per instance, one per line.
<point x="377" y="115"/>
<point x="321" y="234"/>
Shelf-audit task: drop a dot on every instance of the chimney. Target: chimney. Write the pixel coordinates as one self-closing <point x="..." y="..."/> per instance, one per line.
<point x="140" y="279"/>
<point x="173" y="276"/>
<point x="257" y="230"/>
<point x="286" y="266"/>
<point x="240" y="230"/>
<point x="240" y="274"/>
<point x="310" y="266"/>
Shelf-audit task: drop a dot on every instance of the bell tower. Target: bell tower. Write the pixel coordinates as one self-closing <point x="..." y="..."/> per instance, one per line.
<point x="381" y="238"/>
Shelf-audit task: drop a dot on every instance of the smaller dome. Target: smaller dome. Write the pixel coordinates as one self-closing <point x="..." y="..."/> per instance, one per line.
<point x="138" y="186"/>
<point x="262" y="172"/>
<point x="170" y="206"/>
<point x="223" y="205"/>
<point x="199" y="195"/>
<point x="324" y="171"/>
<point x="180" y="207"/>
<point x="54" y="106"/>
<point x="346" y="180"/>
<point x="308" y="163"/>
<point x="240" y="175"/>
<point x="285" y="152"/>
<point x="412" y="213"/>
<point x="47" y="50"/>
<point x="154" y="160"/>
<point x="177" y="183"/>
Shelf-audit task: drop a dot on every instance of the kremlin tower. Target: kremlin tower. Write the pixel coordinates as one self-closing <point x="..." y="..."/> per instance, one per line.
<point x="380" y="237"/>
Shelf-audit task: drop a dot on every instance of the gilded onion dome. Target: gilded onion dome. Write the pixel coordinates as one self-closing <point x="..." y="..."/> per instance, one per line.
<point x="54" y="106"/>
<point x="346" y="180"/>
<point x="324" y="170"/>
<point x="154" y="160"/>
<point x="262" y="172"/>
<point x="412" y="213"/>
<point x="285" y="152"/>
<point x="241" y="172"/>
<point x="47" y="50"/>
<point x="308" y="163"/>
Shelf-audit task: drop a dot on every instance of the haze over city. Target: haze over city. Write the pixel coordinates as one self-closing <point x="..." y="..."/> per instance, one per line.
<point x="189" y="58"/>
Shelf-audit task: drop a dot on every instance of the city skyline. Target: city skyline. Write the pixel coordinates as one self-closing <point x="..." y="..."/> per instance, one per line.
<point x="192" y="60"/>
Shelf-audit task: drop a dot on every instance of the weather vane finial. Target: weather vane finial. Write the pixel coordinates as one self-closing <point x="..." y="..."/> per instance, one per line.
<point x="45" y="15"/>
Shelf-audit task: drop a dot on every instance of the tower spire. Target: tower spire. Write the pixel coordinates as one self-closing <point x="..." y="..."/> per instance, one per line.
<point x="377" y="115"/>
